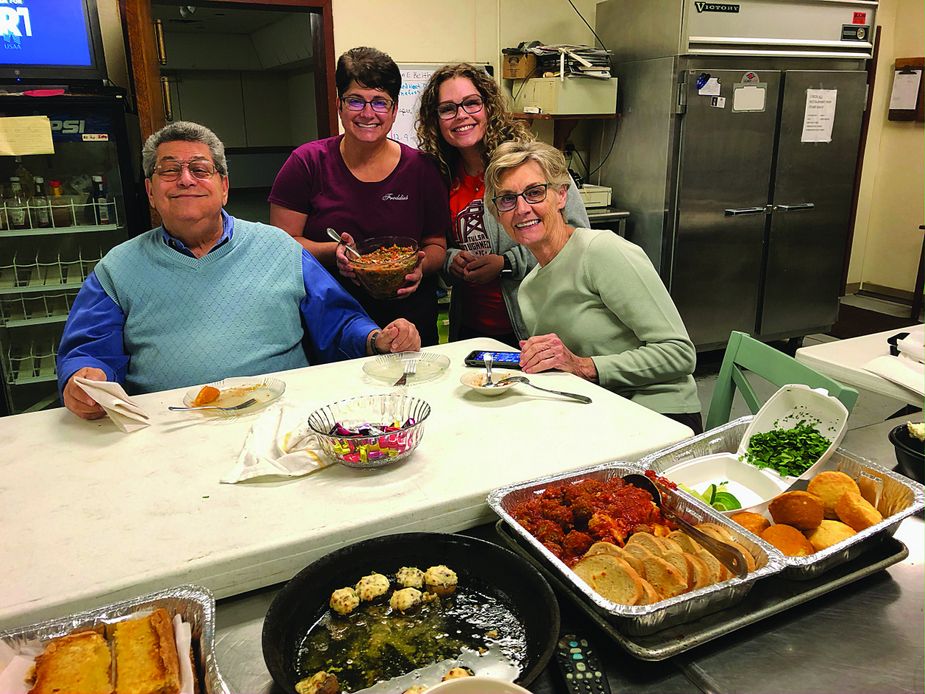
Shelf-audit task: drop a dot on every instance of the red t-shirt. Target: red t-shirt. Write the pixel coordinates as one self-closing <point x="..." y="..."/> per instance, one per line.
<point x="483" y="306"/>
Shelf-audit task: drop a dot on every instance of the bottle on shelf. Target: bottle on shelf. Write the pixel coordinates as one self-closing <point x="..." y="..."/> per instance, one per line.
<point x="39" y="209"/>
<point x="4" y="220"/>
<point x="16" y="206"/>
<point x="61" y="211"/>
<point x="100" y="200"/>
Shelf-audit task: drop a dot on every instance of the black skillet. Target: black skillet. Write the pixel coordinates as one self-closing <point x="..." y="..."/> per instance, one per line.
<point x="303" y="600"/>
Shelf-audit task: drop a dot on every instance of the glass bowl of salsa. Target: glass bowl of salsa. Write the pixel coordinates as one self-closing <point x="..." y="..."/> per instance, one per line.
<point x="383" y="264"/>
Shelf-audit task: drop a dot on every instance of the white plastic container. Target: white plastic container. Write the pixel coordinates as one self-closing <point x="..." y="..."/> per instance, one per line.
<point x="784" y="410"/>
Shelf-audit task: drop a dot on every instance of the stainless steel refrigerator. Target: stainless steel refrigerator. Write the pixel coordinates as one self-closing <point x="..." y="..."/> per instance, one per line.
<point x="736" y="153"/>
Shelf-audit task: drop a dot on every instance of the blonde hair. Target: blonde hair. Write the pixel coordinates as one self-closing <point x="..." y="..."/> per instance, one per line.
<point x="501" y="125"/>
<point x="512" y="155"/>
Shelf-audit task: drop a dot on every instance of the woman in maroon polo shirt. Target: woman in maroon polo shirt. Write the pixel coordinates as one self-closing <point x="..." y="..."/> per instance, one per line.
<point x="365" y="186"/>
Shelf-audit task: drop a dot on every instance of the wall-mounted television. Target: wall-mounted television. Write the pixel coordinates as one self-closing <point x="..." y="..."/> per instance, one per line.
<point x="50" y="41"/>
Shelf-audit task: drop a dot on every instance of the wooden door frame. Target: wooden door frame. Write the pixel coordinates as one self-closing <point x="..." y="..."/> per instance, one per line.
<point x="141" y="53"/>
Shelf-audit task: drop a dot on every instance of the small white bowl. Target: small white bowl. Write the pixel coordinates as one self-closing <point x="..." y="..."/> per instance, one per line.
<point x="475" y="379"/>
<point x="747" y="483"/>
<point x="477" y="685"/>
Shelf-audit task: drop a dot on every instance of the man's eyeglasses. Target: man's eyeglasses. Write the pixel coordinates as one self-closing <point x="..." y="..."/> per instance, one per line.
<point x="533" y="195"/>
<point x="172" y="171"/>
<point x="448" y="109"/>
<point x="379" y="104"/>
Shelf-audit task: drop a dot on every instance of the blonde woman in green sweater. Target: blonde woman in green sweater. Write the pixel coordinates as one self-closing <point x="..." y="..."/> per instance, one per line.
<point x="594" y="305"/>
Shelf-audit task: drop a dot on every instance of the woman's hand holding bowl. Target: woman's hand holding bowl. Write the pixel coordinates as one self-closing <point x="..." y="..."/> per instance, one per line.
<point x="413" y="279"/>
<point x="343" y="260"/>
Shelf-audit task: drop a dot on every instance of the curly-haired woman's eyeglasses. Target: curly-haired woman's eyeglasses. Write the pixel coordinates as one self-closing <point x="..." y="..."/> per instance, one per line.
<point x="448" y="109"/>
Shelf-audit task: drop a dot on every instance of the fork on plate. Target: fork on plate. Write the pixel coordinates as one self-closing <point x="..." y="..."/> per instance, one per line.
<point x="410" y="367"/>
<point x="239" y="406"/>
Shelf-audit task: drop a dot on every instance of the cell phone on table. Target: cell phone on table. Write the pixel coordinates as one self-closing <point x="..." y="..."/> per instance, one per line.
<point x="505" y="360"/>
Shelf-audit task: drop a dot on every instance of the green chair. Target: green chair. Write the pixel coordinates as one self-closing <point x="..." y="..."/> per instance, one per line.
<point x="744" y="353"/>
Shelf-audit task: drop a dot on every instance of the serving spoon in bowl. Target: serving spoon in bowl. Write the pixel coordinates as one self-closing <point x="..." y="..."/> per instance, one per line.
<point x="337" y="237"/>
<point x="728" y="556"/>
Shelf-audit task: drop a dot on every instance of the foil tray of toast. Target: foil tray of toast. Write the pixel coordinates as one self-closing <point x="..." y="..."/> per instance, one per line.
<point x="897" y="496"/>
<point x="669" y="612"/>
<point x="194" y="604"/>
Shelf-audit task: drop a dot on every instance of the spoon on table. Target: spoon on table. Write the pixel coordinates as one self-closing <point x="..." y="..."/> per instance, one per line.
<point x="337" y="237"/>
<point x="523" y="379"/>
<point x="729" y="556"/>
<point x="488" y="359"/>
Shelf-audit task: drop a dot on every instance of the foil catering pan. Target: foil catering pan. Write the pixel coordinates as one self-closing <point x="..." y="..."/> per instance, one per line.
<point x="897" y="495"/>
<point x="639" y="619"/>
<point x="194" y="604"/>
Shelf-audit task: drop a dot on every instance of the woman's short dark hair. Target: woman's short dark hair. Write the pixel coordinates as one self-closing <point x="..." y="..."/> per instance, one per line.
<point x="370" y="68"/>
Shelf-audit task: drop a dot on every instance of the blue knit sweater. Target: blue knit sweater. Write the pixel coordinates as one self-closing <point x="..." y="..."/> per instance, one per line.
<point x="232" y="312"/>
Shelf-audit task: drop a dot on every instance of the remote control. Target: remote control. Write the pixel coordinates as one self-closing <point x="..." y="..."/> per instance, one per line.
<point x="581" y="669"/>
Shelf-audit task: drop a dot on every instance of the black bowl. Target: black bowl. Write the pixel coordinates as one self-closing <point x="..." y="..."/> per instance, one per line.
<point x="304" y="599"/>
<point x="910" y="453"/>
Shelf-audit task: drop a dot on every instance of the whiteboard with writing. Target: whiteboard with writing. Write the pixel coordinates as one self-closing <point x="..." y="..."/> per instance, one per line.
<point x="413" y="80"/>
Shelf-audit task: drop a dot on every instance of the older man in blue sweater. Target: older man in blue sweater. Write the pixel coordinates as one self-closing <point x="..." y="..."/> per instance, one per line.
<point x="207" y="296"/>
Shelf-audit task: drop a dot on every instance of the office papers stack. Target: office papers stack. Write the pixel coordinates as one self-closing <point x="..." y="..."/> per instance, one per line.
<point x="572" y="60"/>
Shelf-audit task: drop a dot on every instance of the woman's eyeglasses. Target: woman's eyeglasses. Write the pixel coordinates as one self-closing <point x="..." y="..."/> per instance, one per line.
<point x="378" y="104"/>
<point x="449" y="109"/>
<point x="508" y="201"/>
<point x="197" y="169"/>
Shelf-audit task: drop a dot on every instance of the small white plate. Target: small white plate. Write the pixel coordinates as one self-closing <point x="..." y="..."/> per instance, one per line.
<point x="389" y="367"/>
<point x="475" y="379"/>
<point x="236" y="390"/>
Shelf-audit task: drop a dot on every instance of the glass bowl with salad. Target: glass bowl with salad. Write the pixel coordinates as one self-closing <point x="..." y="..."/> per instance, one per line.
<point x="383" y="264"/>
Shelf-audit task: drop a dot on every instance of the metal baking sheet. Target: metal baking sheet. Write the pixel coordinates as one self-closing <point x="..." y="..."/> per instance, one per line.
<point x="194" y="604"/>
<point x="898" y="496"/>
<point x="642" y="619"/>
<point x="769" y="597"/>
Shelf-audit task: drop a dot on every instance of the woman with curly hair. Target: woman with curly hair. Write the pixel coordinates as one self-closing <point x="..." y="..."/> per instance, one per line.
<point x="461" y="121"/>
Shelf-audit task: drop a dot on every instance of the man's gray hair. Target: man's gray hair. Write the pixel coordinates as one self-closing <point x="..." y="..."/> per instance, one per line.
<point x="183" y="131"/>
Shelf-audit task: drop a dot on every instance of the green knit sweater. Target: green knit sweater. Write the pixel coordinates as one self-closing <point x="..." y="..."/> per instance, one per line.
<point x="603" y="298"/>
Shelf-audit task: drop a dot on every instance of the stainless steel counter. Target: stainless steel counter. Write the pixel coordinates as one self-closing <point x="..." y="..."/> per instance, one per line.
<point x="866" y="637"/>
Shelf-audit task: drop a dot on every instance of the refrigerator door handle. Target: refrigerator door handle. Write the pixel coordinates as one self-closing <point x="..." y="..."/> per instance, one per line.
<point x="738" y="211"/>
<point x="790" y="208"/>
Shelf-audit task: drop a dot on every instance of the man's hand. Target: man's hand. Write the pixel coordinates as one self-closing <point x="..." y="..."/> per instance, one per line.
<point x="413" y="279"/>
<point x="545" y="352"/>
<point x="483" y="269"/>
<point x="77" y="401"/>
<point x="343" y="258"/>
<point x="398" y="336"/>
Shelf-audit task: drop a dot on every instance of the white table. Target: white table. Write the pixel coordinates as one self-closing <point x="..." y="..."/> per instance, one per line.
<point x="91" y="515"/>
<point x="844" y="361"/>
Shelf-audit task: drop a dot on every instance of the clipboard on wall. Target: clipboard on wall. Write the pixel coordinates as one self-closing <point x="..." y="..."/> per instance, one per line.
<point x="906" y="98"/>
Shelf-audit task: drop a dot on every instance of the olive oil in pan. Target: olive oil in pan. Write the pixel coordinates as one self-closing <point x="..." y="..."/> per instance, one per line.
<point x="375" y="644"/>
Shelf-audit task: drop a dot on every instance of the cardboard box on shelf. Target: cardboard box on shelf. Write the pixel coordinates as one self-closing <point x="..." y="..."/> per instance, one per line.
<point x="518" y="66"/>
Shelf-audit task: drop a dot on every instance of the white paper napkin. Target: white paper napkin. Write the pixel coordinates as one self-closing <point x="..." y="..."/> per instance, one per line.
<point x="913" y="345"/>
<point x="908" y="373"/>
<point x="122" y="410"/>
<point x="279" y="444"/>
